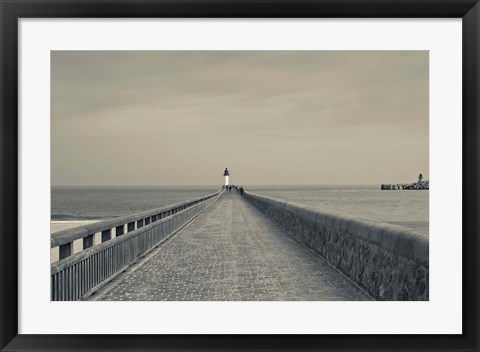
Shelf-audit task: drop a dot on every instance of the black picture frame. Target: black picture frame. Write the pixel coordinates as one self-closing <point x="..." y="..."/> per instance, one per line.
<point x="11" y="11"/>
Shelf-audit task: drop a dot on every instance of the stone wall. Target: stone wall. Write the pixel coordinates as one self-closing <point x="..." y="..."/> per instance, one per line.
<point x="389" y="262"/>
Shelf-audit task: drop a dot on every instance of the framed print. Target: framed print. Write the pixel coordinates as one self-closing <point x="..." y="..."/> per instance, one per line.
<point x="249" y="175"/>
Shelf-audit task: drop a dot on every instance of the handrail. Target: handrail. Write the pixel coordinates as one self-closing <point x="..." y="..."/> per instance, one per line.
<point x="79" y="275"/>
<point x="65" y="263"/>
<point x="64" y="239"/>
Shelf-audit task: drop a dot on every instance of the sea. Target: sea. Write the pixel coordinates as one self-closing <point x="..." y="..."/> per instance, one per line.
<point x="72" y="206"/>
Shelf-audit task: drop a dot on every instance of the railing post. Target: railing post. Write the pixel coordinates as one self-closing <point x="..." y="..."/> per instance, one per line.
<point x="97" y="238"/>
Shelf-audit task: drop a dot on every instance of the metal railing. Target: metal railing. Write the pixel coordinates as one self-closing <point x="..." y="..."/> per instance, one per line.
<point x="78" y="275"/>
<point x="70" y="241"/>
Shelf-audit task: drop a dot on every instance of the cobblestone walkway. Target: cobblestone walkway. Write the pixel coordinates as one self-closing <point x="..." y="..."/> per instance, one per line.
<point x="231" y="252"/>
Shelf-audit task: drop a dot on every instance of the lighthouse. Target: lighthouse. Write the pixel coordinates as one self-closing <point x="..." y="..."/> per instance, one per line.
<point x="226" y="174"/>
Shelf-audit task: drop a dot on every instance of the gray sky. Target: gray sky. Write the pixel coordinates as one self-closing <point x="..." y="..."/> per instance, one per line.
<point x="271" y="117"/>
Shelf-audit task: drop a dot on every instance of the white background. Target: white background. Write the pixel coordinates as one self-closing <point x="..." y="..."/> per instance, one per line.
<point x="442" y="314"/>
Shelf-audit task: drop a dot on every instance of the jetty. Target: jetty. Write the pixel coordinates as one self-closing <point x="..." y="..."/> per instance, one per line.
<point x="232" y="246"/>
<point x="419" y="185"/>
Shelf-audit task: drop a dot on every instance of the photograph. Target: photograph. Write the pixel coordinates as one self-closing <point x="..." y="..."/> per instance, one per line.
<point x="239" y="175"/>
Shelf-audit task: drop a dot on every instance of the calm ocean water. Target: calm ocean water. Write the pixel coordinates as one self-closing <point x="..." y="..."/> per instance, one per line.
<point x="404" y="208"/>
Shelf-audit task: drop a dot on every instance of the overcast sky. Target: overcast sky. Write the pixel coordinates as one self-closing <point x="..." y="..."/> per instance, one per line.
<point x="271" y="117"/>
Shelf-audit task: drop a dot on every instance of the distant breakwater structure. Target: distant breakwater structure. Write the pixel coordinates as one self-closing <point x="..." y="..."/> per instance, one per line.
<point x="417" y="186"/>
<point x="228" y="235"/>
